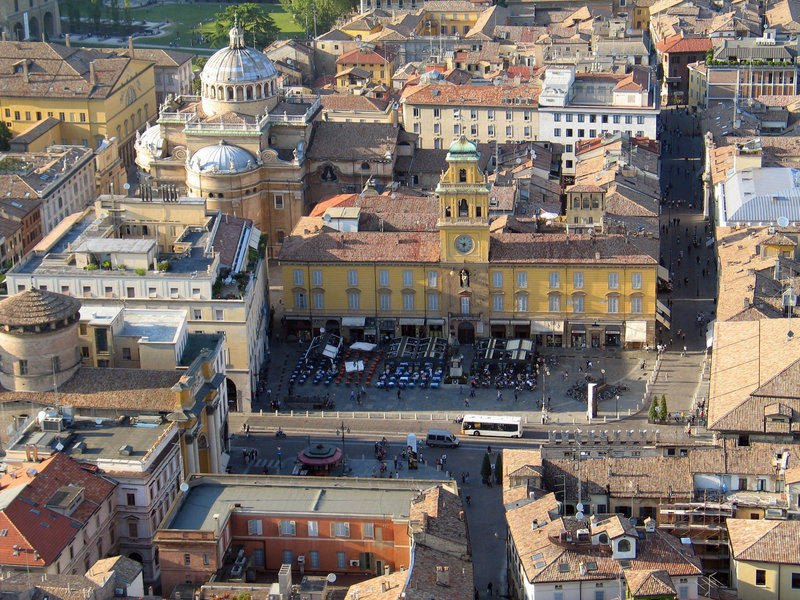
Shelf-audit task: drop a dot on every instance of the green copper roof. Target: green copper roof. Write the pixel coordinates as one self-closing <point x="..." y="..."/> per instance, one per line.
<point x="462" y="149"/>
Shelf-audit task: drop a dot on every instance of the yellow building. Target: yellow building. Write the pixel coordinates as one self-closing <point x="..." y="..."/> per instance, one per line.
<point x="94" y="93"/>
<point x="376" y="266"/>
<point x="376" y="63"/>
<point x="698" y="84"/>
<point x="765" y="558"/>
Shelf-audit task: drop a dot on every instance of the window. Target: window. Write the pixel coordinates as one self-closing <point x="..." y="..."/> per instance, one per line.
<point x="23" y="367"/>
<point x="126" y="354"/>
<point x="636" y="281"/>
<point x="340" y="529"/>
<point x="526" y="115"/>
<point x="599" y="595"/>
<point x="313" y="529"/>
<point x="628" y="119"/>
<point x="187" y="559"/>
<point x="219" y="314"/>
<point x="509" y="131"/>
<point x="796" y="581"/>
<point x="205" y="560"/>
<point x="415" y="111"/>
<point x="383" y="278"/>
<point x="437" y="113"/>
<point x="316" y="277"/>
<point x="353" y="300"/>
<point x="557" y="132"/>
<point x="613" y="304"/>
<point x="497" y="279"/>
<point x="624" y="546"/>
<point x="133" y="529"/>
<point x="197" y="313"/>
<point x="352" y="277"/>
<point x="613" y="281"/>
<point x="497" y="302"/>
<point x="300" y="300"/>
<point x="341" y="560"/>
<point x="433" y="302"/>
<point x="636" y="305"/>
<point x="287" y="557"/>
<point x="568" y="117"/>
<point x="761" y="577"/>
<point x="640" y="120"/>
<point x="437" y="128"/>
<point x="473" y="114"/>
<point x="592" y="133"/>
<point x="408" y="278"/>
<point x="569" y="133"/>
<point x="577" y="280"/>
<point x="408" y="301"/>
<point x="554" y="279"/>
<point x="554" y="303"/>
<point x="16" y="115"/>
<point x="557" y="117"/>
<point x="258" y="557"/>
<point x="298" y="276"/>
<point x="385" y="301"/>
<point x="288" y="528"/>
<point x="254" y="527"/>
<point x="313" y="559"/>
<point x="369" y="530"/>
<point x="319" y="300"/>
<point x="577" y="304"/>
<point x="490" y="131"/>
<point x="433" y="279"/>
<point x="522" y="279"/>
<point x="490" y="114"/>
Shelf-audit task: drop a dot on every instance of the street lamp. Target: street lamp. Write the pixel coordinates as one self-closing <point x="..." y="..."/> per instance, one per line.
<point x="616" y="405"/>
<point x="280" y="460"/>
<point x="341" y="430"/>
<point x="545" y="373"/>
<point x="603" y="373"/>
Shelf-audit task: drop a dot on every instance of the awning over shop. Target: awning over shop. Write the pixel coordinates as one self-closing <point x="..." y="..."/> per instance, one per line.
<point x="520" y="322"/>
<point x="613" y="330"/>
<point x="578" y="329"/>
<point x="547" y="326"/>
<point x="296" y="317"/>
<point x="411" y="321"/>
<point x="636" y="331"/>
<point x="435" y="321"/>
<point x="499" y="322"/>
<point x="353" y="321"/>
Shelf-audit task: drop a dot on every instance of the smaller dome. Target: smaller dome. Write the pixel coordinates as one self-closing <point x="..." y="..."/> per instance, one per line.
<point x="462" y="149"/>
<point x="222" y="158"/>
<point x="37" y="308"/>
<point x="151" y="142"/>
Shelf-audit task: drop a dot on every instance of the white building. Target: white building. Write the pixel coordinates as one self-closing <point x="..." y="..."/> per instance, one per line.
<point x="573" y="108"/>
<point x="759" y="196"/>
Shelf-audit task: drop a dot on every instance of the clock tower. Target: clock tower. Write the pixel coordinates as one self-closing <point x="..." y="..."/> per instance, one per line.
<point x="463" y="206"/>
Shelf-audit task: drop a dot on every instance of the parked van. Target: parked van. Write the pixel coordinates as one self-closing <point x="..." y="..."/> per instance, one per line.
<point x="441" y="437"/>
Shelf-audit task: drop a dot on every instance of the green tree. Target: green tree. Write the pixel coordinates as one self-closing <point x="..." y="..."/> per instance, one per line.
<point x="199" y="63"/>
<point x="126" y="14"/>
<point x="260" y="30"/>
<point x="5" y="136"/>
<point x="498" y="468"/>
<point x="486" y="468"/>
<point x="113" y="9"/>
<point x="662" y="408"/>
<point x="652" y="414"/>
<point x="324" y="11"/>
<point x="95" y="11"/>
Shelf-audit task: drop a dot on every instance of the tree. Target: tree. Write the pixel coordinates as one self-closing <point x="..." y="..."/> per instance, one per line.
<point x="199" y="63"/>
<point x="5" y="136"/>
<point x="127" y="18"/>
<point x="324" y="11"/>
<point x="95" y="10"/>
<point x="652" y="414"/>
<point x="260" y="30"/>
<point x="662" y="408"/>
<point x="498" y="469"/>
<point x="486" y="468"/>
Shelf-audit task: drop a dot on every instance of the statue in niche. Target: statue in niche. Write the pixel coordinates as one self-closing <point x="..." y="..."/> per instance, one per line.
<point x="464" y="278"/>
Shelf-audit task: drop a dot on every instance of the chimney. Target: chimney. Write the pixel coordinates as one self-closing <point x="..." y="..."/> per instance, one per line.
<point x="92" y="75"/>
<point x="66" y="39"/>
<point x="443" y="576"/>
<point x="130" y="45"/>
<point x="25" y="73"/>
<point x="5" y="38"/>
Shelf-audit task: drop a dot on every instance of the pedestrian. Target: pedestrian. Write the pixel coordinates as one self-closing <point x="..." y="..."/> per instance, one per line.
<point x="471" y="394"/>
<point x="460" y="389"/>
<point x="516" y="394"/>
<point x="352" y="395"/>
<point x="395" y="462"/>
<point x="398" y="393"/>
<point x="466" y="401"/>
<point x="684" y="351"/>
<point x="444" y="459"/>
<point x="467" y="477"/>
<point x="463" y="477"/>
<point x="499" y="395"/>
<point x="489" y="589"/>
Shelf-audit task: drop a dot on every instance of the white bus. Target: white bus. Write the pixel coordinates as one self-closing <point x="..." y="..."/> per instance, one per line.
<point x="497" y="425"/>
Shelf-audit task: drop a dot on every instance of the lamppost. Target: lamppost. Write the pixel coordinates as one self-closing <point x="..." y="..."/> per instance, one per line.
<point x="545" y="373"/>
<point x="280" y="459"/>
<point x="341" y="430"/>
<point x="616" y="405"/>
<point x="603" y="373"/>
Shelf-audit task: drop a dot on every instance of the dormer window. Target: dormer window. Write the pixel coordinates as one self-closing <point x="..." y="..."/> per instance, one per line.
<point x="624" y="545"/>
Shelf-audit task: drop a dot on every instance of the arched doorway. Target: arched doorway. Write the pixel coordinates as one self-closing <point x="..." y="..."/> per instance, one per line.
<point x="33" y="25"/>
<point x="19" y="32"/>
<point x="332" y="326"/>
<point x="233" y="405"/>
<point x="466" y="333"/>
<point x="136" y="556"/>
<point x="49" y="25"/>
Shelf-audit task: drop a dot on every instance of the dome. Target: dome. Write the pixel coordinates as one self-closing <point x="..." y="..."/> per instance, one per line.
<point x="462" y="149"/>
<point x="237" y="63"/>
<point x="32" y="308"/>
<point x="150" y="142"/>
<point x="432" y="76"/>
<point x="222" y="158"/>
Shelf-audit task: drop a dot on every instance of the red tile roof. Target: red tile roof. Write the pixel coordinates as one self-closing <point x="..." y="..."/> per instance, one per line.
<point x="358" y="56"/>
<point x="765" y="541"/>
<point x="679" y="43"/>
<point x="470" y="95"/>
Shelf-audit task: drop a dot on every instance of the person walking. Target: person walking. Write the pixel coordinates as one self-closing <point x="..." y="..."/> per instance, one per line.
<point x="489" y="589"/>
<point x="398" y="393"/>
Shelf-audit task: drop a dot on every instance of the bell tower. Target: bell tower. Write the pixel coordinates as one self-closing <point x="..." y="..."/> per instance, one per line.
<point x="463" y="206"/>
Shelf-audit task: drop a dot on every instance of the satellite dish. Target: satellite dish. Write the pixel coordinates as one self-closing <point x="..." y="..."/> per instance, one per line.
<point x="126" y="186"/>
<point x="783" y="221"/>
<point x="322" y="330"/>
<point x="184" y="487"/>
<point x="331" y="578"/>
<point x="580" y="507"/>
<point x="98" y="421"/>
<point x="579" y="515"/>
<point x="59" y="446"/>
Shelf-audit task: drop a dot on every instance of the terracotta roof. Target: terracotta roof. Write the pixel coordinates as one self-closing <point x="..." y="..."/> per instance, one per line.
<point x="471" y="95"/>
<point x="229" y="234"/>
<point x="765" y="541"/>
<point x="332" y="246"/>
<point x="753" y="362"/>
<point x="121" y="568"/>
<point x="679" y="43"/>
<point x="353" y="102"/>
<point x="117" y="389"/>
<point x="385" y="587"/>
<point x="792" y="475"/>
<point x="360" y="57"/>
<point x="583" y="188"/>
<point x="558" y="248"/>
<point x="37" y="307"/>
<point x="24" y="499"/>
<point x="352" y="141"/>
<point x="649" y="583"/>
<point x="440" y="513"/>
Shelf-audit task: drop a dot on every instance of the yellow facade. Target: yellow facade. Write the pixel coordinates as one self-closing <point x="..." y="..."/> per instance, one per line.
<point x="440" y="22"/>
<point x="764" y="581"/>
<point x="465" y="292"/>
<point x="379" y="72"/>
<point x="698" y="84"/>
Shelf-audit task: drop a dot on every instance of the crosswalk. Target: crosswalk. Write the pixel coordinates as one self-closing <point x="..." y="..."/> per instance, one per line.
<point x="261" y="464"/>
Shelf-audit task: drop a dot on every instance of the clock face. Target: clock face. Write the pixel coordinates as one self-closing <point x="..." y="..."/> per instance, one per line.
<point x="464" y="244"/>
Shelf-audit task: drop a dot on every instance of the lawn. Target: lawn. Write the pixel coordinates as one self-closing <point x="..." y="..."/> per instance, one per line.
<point x="183" y="18"/>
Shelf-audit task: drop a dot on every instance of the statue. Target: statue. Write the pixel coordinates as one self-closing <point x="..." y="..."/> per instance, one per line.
<point x="464" y="278"/>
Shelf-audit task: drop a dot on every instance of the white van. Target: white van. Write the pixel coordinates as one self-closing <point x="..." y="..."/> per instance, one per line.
<point x="441" y="437"/>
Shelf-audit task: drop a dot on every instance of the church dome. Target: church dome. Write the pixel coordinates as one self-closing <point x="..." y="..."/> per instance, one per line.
<point x="151" y="142"/>
<point x="462" y="149"/>
<point x="237" y="63"/>
<point x="222" y="158"/>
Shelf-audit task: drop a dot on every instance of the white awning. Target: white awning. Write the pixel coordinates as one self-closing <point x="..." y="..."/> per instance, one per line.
<point x="353" y="321"/>
<point x="663" y="273"/>
<point x="435" y="321"/>
<point x="636" y="331"/>
<point x="662" y="319"/>
<point x="411" y="321"/>
<point x="499" y="322"/>
<point x="365" y="346"/>
<point x="519" y="322"/>
<point x="547" y="326"/>
<point x="663" y="309"/>
<point x="710" y="334"/>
